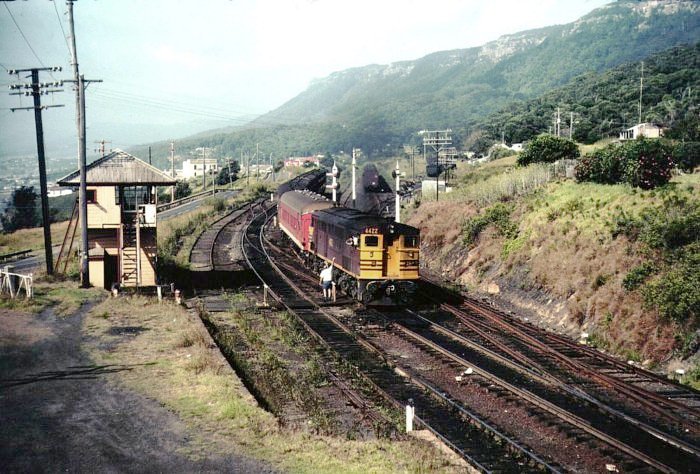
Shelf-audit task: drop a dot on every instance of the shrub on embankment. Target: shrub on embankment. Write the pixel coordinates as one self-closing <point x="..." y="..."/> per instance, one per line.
<point x="562" y="250"/>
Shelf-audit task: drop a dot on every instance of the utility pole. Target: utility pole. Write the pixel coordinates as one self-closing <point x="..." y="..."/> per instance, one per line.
<point x="149" y="155"/>
<point x="172" y="169"/>
<point x="79" y="81"/>
<point x="437" y="140"/>
<point x="398" y="197"/>
<point x="204" y="169"/>
<point x="230" y="177"/>
<point x="571" y="127"/>
<point x="641" y="88"/>
<point x="101" y="150"/>
<point x="558" y="122"/>
<point x="36" y="93"/>
<point x="354" y="167"/>
<point x="247" y="159"/>
<point x="272" y="169"/>
<point x="257" y="162"/>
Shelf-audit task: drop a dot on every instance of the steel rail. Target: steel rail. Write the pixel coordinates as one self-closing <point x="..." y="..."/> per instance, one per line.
<point x="644" y="397"/>
<point x="573" y="391"/>
<point x="595" y="354"/>
<point x="540" y="402"/>
<point x="473" y="418"/>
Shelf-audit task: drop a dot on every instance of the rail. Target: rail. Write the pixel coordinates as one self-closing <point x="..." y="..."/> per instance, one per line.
<point x="13" y="255"/>
<point x="187" y="199"/>
<point x="344" y="341"/>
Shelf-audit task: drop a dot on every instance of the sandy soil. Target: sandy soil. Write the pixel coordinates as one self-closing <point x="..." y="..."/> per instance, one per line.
<point x="59" y="413"/>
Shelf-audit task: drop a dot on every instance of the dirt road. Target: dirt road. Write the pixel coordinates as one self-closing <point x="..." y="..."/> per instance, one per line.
<point x="57" y="413"/>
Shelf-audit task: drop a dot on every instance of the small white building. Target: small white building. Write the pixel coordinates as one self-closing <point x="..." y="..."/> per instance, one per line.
<point x="301" y="160"/>
<point x="195" y="167"/>
<point x="648" y="130"/>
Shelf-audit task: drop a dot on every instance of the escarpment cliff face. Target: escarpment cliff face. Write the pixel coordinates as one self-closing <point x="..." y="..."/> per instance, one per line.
<point x="448" y="87"/>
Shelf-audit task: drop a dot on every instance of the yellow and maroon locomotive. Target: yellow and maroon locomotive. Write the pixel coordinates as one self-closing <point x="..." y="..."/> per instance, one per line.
<point x="377" y="259"/>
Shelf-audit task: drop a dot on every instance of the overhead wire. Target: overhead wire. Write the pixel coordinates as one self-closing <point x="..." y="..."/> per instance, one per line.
<point x="60" y="23"/>
<point x="23" y="35"/>
<point x="107" y="96"/>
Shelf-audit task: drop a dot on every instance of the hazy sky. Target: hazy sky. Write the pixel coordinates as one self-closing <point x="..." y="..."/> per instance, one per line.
<point x="172" y="66"/>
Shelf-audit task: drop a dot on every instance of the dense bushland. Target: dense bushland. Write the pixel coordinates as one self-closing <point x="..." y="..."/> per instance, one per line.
<point x="644" y="163"/>
<point x="548" y="149"/>
<point x="669" y="234"/>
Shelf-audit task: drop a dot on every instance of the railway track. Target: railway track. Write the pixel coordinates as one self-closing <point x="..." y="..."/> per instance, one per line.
<point x="590" y="420"/>
<point x="211" y="250"/>
<point x="484" y="446"/>
<point x="638" y="420"/>
<point x="648" y="397"/>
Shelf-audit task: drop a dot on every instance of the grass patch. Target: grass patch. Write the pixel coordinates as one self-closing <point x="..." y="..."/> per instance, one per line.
<point x="33" y="238"/>
<point x="221" y="416"/>
<point x="64" y="296"/>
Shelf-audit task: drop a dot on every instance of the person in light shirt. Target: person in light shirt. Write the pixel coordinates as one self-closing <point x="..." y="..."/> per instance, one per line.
<point x="326" y="280"/>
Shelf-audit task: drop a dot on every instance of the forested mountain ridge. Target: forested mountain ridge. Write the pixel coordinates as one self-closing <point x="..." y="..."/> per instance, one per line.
<point x="602" y="103"/>
<point x="379" y="107"/>
<point x="449" y="87"/>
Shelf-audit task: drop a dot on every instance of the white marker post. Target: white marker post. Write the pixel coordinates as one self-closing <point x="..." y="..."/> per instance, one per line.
<point x="410" y="414"/>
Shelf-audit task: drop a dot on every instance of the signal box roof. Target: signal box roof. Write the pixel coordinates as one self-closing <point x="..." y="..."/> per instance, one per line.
<point x="119" y="168"/>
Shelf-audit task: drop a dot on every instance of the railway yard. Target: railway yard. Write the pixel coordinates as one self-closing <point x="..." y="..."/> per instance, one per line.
<point x="502" y="394"/>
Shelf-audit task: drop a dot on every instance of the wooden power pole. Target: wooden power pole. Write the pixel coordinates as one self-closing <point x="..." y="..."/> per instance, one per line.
<point x="36" y="92"/>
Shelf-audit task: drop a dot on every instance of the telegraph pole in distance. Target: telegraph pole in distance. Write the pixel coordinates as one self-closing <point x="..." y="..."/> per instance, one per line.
<point x="204" y="168"/>
<point x="36" y="93"/>
<point x="102" y="150"/>
<point x="172" y="169"/>
<point x="354" y="167"/>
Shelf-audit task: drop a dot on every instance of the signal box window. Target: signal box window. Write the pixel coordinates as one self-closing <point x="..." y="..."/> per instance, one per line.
<point x="411" y="241"/>
<point x="371" y="241"/>
<point x="90" y="196"/>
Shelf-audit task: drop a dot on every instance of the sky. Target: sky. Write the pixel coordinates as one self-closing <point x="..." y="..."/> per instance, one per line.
<point x="171" y="68"/>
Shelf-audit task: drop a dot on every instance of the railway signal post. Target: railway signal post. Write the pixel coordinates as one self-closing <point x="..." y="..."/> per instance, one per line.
<point x="334" y="184"/>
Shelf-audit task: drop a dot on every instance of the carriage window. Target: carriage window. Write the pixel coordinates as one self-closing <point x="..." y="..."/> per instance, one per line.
<point x="411" y="241"/>
<point x="372" y="241"/>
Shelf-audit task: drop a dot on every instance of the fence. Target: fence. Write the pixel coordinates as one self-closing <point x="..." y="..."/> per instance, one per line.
<point x="12" y="283"/>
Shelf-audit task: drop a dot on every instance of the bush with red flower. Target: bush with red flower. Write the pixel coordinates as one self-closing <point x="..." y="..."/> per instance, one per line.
<point x="644" y="163"/>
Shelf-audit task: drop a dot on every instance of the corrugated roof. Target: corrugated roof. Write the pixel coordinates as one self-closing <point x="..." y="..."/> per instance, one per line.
<point x="118" y="167"/>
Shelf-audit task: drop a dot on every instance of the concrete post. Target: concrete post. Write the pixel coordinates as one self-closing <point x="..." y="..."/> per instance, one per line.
<point x="410" y="414"/>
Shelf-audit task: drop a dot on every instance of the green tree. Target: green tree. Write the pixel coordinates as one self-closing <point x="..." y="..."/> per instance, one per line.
<point x="547" y="149"/>
<point x="224" y="177"/>
<point x="182" y="189"/>
<point x="20" y="212"/>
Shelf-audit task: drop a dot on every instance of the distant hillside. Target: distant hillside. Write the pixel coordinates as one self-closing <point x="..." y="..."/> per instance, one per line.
<point x="447" y="88"/>
<point x="604" y="103"/>
<point x="378" y="107"/>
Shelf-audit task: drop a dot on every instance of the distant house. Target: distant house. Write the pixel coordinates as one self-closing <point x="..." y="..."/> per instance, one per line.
<point x="121" y="219"/>
<point x="517" y="147"/>
<point x="300" y="161"/>
<point x="648" y="130"/>
<point x="56" y="191"/>
<point x="195" y="167"/>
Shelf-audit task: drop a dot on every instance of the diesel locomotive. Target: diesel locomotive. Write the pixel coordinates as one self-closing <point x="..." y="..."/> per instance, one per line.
<point x="376" y="260"/>
<point x="370" y="178"/>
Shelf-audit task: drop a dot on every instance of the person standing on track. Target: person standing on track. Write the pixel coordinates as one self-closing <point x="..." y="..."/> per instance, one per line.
<point x="326" y="279"/>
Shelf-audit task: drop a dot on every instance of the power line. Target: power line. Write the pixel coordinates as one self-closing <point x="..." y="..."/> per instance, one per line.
<point x="60" y="23"/>
<point x="23" y="36"/>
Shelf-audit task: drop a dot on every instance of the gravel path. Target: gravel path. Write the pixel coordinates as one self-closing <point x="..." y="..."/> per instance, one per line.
<point x="58" y="413"/>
